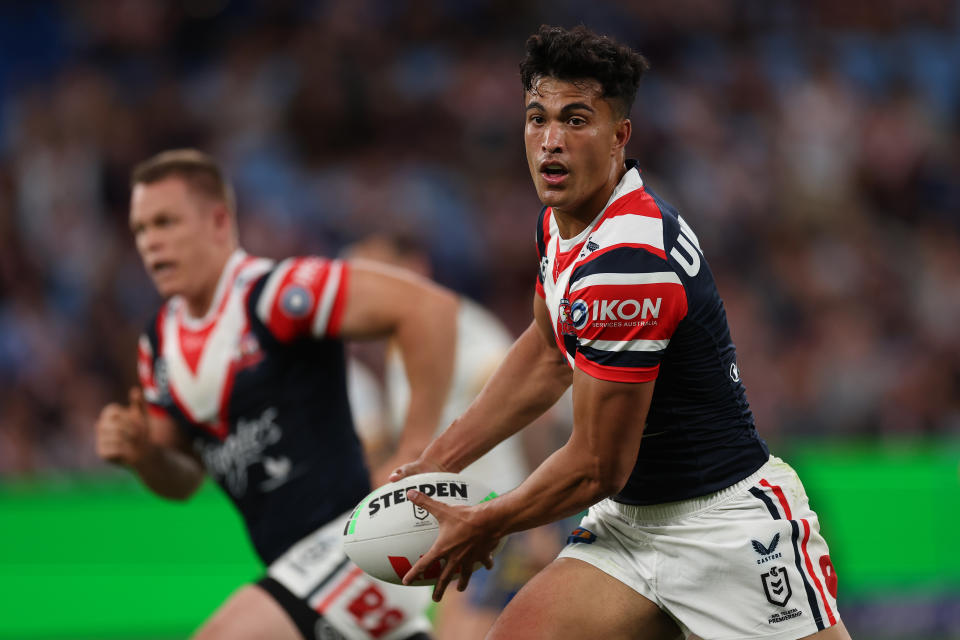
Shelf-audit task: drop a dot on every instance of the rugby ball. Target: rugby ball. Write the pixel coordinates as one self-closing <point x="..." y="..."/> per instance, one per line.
<point x="386" y="534"/>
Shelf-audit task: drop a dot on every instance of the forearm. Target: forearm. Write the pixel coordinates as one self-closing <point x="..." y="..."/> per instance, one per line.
<point x="529" y="381"/>
<point x="168" y="472"/>
<point x="565" y="483"/>
<point x="596" y="462"/>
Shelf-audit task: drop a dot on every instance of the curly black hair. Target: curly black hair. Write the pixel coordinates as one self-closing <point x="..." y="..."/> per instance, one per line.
<point x="579" y="54"/>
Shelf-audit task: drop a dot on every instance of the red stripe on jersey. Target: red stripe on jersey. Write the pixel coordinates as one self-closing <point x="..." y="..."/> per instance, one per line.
<point x="816" y="580"/>
<point x="193" y="341"/>
<point x="145" y="364"/>
<point x="546" y="227"/>
<point x="540" y="291"/>
<point x="563" y="259"/>
<point x="657" y="251"/>
<point x="777" y="491"/>
<point x="157" y="411"/>
<point x="161" y="318"/>
<point x="339" y="303"/>
<point x="637" y="202"/>
<point x="347" y="579"/>
<point x="616" y="374"/>
<point x="311" y="277"/>
<point x="192" y="344"/>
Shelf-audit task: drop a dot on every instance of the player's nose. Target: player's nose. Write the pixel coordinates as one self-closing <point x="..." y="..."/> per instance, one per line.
<point x="552" y="138"/>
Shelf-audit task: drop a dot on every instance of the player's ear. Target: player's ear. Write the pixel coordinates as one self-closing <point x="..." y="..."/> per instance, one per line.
<point x="222" y="218"/>
<point x="621" y="133"/>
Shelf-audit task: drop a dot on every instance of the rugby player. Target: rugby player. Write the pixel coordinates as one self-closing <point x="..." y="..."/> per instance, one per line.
<point x="242" y="377"/>
<point x="693" y="527"/>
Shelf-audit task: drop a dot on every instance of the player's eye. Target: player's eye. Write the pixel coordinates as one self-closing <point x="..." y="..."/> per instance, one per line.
<point x="577" y="121"/>
<point x="537" y="119"/>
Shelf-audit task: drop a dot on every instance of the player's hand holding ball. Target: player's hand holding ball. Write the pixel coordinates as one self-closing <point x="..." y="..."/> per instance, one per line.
<point x="423" y="529"/>
<point x="122" y="433"/>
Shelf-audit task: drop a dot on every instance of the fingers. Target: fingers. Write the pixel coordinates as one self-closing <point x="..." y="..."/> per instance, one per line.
<point x="119" y="430"/>
<point x="434" y="508"/>
<point x="412" y="469"/>
<point x="465" y="573"/>
<point x="422" y="500"/>
<point x="442" y="582"/>
<point x="401" y="472"/>
<point x="488" y="562"/>
<point x="137" y="401"/>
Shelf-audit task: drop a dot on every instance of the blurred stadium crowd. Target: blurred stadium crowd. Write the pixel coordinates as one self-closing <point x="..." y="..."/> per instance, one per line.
<point x="814" y="147"/>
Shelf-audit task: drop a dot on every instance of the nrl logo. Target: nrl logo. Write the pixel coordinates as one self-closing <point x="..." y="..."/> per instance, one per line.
<point x="768" y="553"/>
<point x="419" y="512"/>
<point x="776" y="586"/>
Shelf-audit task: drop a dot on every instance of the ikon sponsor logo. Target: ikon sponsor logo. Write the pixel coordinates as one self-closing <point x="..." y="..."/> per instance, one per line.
<point x="614" y="310"/>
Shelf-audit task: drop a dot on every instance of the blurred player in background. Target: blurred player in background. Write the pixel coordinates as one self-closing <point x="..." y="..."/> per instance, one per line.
<point x="482" y="344"/>
<point x="243" y="377"/>
<point x="693" y="526"/>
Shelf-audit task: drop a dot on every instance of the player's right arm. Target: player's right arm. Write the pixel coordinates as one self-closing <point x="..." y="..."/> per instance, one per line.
<point x="530" y="380"/>
<point x="151" y="445"/>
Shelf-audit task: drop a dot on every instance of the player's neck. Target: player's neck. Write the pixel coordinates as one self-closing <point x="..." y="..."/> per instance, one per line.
<point x="201" y="299"/>
<point x="573" y="220"/>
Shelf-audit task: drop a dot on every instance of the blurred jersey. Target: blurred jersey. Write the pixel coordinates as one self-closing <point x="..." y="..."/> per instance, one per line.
<point x="482" y="343"/>
<point x="259" y="388"/>
<point x="631" y="299"/>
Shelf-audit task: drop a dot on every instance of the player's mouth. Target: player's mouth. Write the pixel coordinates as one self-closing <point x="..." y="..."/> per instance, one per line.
<point x="553" y="173"/>
<point x="161" y="269"/>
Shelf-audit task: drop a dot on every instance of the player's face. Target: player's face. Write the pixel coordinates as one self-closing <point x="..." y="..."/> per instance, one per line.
<point x="574" y="142"/>
<point x="173" y="229"/>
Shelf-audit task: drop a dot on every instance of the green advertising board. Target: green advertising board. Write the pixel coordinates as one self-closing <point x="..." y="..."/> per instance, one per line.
<point x="101" y="558"/>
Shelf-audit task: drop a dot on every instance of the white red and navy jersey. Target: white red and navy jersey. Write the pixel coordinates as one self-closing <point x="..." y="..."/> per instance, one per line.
<point x="259" y="386"/>
<point x="631" y="299"/>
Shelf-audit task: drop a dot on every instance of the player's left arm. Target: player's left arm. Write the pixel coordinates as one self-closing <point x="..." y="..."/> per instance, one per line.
<point x="595" y="462"/>
<point x="421" y="317"/>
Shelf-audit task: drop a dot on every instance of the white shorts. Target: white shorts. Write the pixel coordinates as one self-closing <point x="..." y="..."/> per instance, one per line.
<point x="359" y="607"/>
<point x="744" y="562"/>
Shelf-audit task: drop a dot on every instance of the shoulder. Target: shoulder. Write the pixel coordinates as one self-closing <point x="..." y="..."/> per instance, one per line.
<point x="299" y="295"/>
<point x="633" y="220"/>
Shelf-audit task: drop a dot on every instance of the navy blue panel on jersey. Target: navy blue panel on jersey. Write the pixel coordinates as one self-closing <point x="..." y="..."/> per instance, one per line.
<point x="700" y="435"/>
<point x="622" y="358"/>
<point x="620" y="260"/>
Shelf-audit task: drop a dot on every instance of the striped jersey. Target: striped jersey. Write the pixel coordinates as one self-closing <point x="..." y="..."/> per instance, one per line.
<point x="259" y="388"/>
<point x="632" y="299"/>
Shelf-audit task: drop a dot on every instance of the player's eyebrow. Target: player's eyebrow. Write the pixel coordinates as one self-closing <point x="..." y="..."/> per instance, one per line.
<point x="573" y="106"/>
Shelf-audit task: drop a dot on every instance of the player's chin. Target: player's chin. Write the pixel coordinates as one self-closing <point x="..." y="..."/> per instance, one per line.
<point x="552" y="196"/>
<point x="166" y="287"/>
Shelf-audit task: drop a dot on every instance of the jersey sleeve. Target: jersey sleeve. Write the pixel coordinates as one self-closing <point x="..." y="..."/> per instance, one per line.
<point x="303" y="297"/>
<point x="625" y="305"/>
